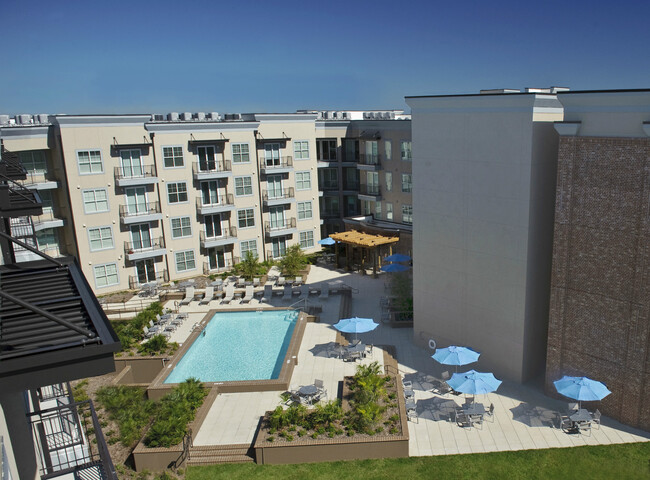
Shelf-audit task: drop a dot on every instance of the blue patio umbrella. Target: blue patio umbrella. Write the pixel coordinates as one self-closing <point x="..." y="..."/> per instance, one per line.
<point x="327" y="241"/>
<point x="473" y="382"/>
<point x="581" y="388"/>
<point x="453" y="355"/>
<point x="394" y="267"/>
<point x="356" y="325"/>
<point x="397" y="257"/>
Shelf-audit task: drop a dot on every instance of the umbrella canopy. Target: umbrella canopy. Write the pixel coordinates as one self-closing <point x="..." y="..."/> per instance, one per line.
<point x="394" y="267"/>
<point x="356" y="325"/>
<point x="454" y="355"/>
<point x="474" y="382"/>
<point x="397" y="257"/>
<point x="581" y="388"/>
<point x="327" y="241"/>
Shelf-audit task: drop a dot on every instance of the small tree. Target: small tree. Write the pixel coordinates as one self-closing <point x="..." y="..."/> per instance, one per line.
<point x="249" y="266"/>
<point x="294" y="261"/>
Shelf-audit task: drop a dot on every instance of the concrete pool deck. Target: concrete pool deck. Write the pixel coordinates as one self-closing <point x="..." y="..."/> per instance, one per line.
<point x="522" y="419"/>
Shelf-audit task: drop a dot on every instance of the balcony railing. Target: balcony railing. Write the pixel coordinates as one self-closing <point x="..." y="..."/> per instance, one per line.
<point x="211" y="168"/>
<point x="144" y="246"/>
<point x="228" y="264"/>
<point x="329" y="185"/>
<point x="136" y="171"/>
<point x="273" y="195"/>
<point x="45" y="217"/>
<point x="149" y="208"/>
<point x="373" y="190"/>
<point x="226" y="233"/>
<point x="135" y="281"/>
<point x="279" y="225"/>
<point x="369" y="159"/>
<point x="219" y="201"/>
<point x="270" y="164"/>
<point x="329" y="214"/>
<point x="350" y="185"/>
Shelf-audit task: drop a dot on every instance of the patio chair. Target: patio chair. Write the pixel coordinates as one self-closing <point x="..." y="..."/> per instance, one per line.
<point x="412" y="412"/>
<point x="441" y="388"/>
<point x="298" y="281"/>
<point x="584" y="427"/>
<point x="370" y="350"/>
<point x="573" y="406"/>
<point x="147" y="333"/>
<point x="490" y="412"/>
<point x="445" y="376"/>
<point x="207" y="297"/>
<point x="248" y="296"/>
<point x="230" y="293"/>
<point x="304" y="292"/>
<point x="189" y="296"/>
<point x="281" y="281"/>
<point x="240" y="282"/>
<point x="566" y="423"/>
<point x="287" y="292"/>
<point x="322" y="391"/>
<point x="596" y="418"/>
<point x="256" y="282"/>
<point x="337" y="352"/>
<point x="324" y="290"/>
<point x="268" y="293"/>
<point x="408" y="391"/>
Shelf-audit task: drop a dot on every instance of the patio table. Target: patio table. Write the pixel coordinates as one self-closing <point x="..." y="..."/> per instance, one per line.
<point x="581" y="416"/>
<point x="357" y="348"/>
<point x="308" y="392"/>
<point x="474" y="409"/>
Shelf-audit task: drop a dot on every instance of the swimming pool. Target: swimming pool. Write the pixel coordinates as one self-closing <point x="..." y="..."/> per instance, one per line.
<point x="234" y="346"/>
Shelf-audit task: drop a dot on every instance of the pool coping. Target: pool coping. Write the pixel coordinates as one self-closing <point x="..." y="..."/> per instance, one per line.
<point x="157" y="388"/>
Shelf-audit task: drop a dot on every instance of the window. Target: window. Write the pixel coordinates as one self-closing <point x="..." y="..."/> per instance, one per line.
<point x="185" y="261"/>
<point x="177" y="192"/>
<point x="407" y="214"/>
<point x="389" y="182"/>
<point x="90" y="161"/>
<point x="101" y="238"/>
<point x="106" y="275"/>
<point x="303" y="181"/>
<point x="406" y="150"/>
<point x="240" y="153"/>
<point x="207" y="158"/>
<point x="47" y="239"/>
<point x="304" y="210"/>
<point x="301" y="149"/>
<point x="47" y="200"/>
<point x="243" y="186"/>
<point x="407" y="183"/>
<point x="172" y="157"/>
<point x="377" y="209"/>
<point x="33" y="162"/>
<point x="95" y="200"/>
<point x="181" y="227"/>
<point x="366" y="207"/>
<point x="246" y="218"/>
<point x="307" y="239"/>
<point x="351" y="150"/>
<point x="326" y="150"/>
<point x="248" y="246"/>
<point x="330" y="177"/>
<point x="389" y="211"/>
<point x="388" y="145"/>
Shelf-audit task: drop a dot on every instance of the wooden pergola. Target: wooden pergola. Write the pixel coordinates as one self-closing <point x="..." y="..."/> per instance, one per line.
<point x="366" y="241"/>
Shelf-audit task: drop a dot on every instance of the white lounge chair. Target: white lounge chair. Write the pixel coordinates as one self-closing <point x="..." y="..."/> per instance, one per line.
<point x="230" y="293"/>
<point x="281" y="281"/>
<point x="324" y="290"/>
<point x="189" y="296"/>
<point x="268" y="293"/>
<point x="248" y="296"/>
<point x="288" y="291"/>
<point x="209" y="295"/>
<point x="256" y="282"/>
<point x="298" y="281"/>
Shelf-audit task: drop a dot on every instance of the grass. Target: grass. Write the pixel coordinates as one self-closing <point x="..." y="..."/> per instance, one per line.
<point x="626" y="461"/>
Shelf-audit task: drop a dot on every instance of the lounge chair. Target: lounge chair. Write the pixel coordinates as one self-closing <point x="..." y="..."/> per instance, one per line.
<point x="209" y="295"/>
<point x="268" y="293"/>
<point x="256" y="282"/>
<point x="412" y="412"/>
<point x="281" y="281"/>
<point x="241" y="281"/>
<point x="248" y="296"/>
<point x="148" y="333"/>
<point x="298" y="281"/>
<point x="189" y="296"/>
<point x="230" y="293"/>
<point x="324" y="290"/>
<point x="288" y="291"/>
<point x="304" y="292"/>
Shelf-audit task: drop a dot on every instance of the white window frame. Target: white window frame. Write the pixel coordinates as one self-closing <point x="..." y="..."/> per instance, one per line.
<point x="407" y="214"/>
<point x="299" y="149"/>
<point x="240" y="153"/>
<point x="252" y="210"/>
<point x="94" y="190"/>
<point x="389" y="211"/>
<point x="101" y="239"/>
<point x="106" y="275"/>
<point x="46" y="232"/>
<point x="181" y="226"/>
<point x="173" y="156"/>
<point x="306" y="233"/>
<point x="402" y="150"/>
<point x="408" y="184"/>
<point x="31" y="164"/>
<point x="247" y="243"/>
<point x="90" y="163"/>
<point x="250" y="179"/>
<point x="302" y="174"/>
<point x="388" y="149"/>
<point x="169" y="184"/>
<point x="389" y="181"/>
<point x="303" y="204"/>
<point x="184" y="254"/>
<point x="377" y="209"/>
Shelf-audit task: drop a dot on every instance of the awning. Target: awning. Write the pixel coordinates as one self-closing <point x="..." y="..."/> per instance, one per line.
<point x="360" y="239"/>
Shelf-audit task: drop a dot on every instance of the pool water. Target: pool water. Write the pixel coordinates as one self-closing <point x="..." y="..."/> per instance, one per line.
<point x="248" y="345"/>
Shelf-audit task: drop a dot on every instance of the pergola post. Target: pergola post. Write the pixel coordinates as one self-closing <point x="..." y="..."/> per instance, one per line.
<point x="374" y="262"/>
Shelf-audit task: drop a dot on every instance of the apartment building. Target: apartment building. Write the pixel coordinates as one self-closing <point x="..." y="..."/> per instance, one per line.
<point x="139" y="198"/>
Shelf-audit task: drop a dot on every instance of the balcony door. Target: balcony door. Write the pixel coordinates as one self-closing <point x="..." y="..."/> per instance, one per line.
<point x="372" y="180"/>
<point x="371" y="152"/>
<point x="146" y="270"/>
<point x="136" y="199"/>
<point x="216" y="258"/>
<point x="207" y="158"/>
<point x="272" y="154"/>
<point x="274" y="182"/>
<point x="210" y="192"/>
<point x="277" y="217"/>
<point x="140" y="236"/>
<point x="131" y="163"/>
<point x="279" y="247"/>
<point x="213" y="226"/>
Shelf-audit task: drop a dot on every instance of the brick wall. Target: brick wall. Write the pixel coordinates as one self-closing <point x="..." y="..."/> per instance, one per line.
<point x="599" y="322"/>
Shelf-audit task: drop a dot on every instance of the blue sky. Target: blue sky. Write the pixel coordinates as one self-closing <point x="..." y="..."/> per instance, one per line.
<point x="271" y="56"/>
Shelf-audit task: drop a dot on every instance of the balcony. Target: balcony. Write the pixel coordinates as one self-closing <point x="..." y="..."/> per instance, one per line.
<point x="228" y="264"/>
<point x="211" y="170"/>
<point x="135" y="175"/>
<point x="269" y="166"/>
<point x="370" y="162"/>
<point x="223" y="203"/>
<point x="272" y="198"/>
<point x="140" y="213"/>
<point x="144" y="249"/>
<point x="136" y="282"/>
<point x="228" y="237"/>
<point x="279" y="228"/>
<point x="47" y="220"/>
<point x="371" y="193"/>
<point x="40" y="181"/>
<point x="330" y="214"/>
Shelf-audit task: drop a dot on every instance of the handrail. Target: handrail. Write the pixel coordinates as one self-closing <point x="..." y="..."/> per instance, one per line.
<point x="32" y="249"/>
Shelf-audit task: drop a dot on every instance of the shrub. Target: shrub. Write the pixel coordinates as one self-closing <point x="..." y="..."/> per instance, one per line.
<point x="293" y="261"/>
<point x="128" y="407"/>
<point x="131" y="332"/>
<point x="156" y="345"/>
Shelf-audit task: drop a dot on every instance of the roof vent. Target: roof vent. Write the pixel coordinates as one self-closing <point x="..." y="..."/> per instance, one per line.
<point x="172" y="117"/>
<point x="23" y="119"/>
<point x="200" y="116"/>
<point x="4" y="119"/>
<point x="186" y="116"/>
<point x="214" y="116"/>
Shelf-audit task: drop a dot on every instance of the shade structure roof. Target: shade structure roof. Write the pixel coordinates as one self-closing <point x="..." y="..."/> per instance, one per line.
<point x="360" y="239"/>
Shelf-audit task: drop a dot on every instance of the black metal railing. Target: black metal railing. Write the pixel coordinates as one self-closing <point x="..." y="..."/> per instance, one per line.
<point x="369" y="190"/>
<point x="135" y="281"/>
<point x="135" y="171"/>
<point x="144" y="245"/>
<point x="277" y="225"/>
<point x="148" y="208"/>
<point x="227" y="232"/>
<point x="330" y="214"/>
<point x="219" y="201"/>
<point x="50" y="392"/>
<point x="369" y="159"/>
<point x="215" y="166"/>
<point x="284" y="194"/>
<point x="268" y="164"/>
<point x="228" y="264"/>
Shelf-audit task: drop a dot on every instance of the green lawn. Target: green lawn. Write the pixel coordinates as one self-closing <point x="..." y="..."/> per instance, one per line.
<point x="627" y="461"/>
